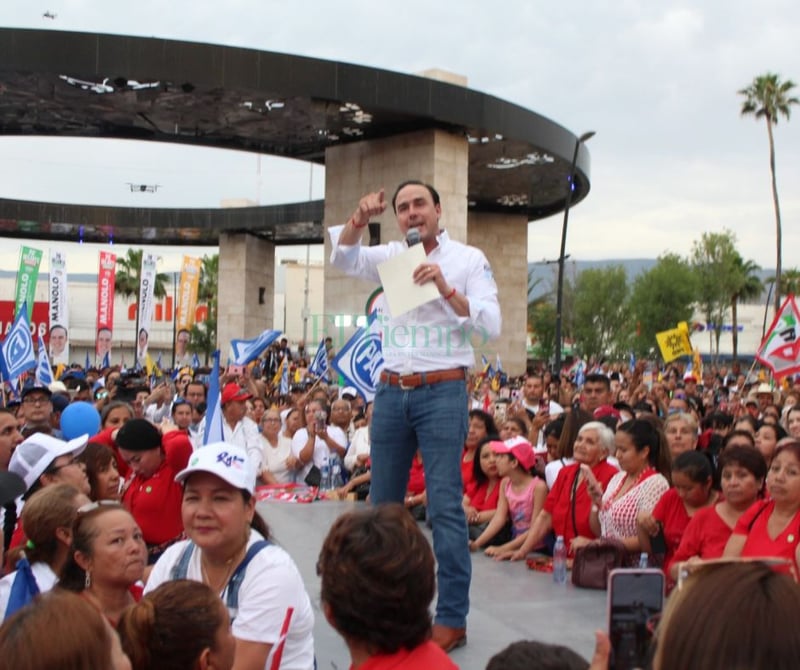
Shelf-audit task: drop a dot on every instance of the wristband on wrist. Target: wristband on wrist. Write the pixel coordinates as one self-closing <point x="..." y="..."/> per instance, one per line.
<point x="450" y="295"/>
<point x="355" y="225"/>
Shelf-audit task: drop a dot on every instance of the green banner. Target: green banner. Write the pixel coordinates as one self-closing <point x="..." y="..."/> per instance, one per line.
<point x="29" y="260"/>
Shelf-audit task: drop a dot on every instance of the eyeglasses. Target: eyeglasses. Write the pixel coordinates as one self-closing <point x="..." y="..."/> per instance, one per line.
<point x="36" y="400"/>
<point x="71" y="461"/>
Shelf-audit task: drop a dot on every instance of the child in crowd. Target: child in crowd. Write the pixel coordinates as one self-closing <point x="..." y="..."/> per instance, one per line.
<point x="522" y="496"/>
<point x="483" y="493"/>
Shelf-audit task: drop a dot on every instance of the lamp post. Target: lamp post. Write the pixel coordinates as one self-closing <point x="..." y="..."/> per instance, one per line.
<point x="560" y="288"/>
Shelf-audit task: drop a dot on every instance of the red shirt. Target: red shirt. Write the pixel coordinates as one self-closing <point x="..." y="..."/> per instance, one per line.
<point x="705" y="536"/>
<point x="759" y="543"/>
<point x="467" y="476"/>
<point x="416" y="477"/>
<point x="155" y="501"/>
<point x="477" y="494"/>
<point x="427" y="655"/>
<point x="559" y="501"/>
<point x="671" y="512"/>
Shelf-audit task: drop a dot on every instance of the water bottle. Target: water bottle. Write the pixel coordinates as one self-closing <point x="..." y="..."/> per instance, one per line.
<point x="643" y="562"/>
<point x="560" y="561"/>
<point x="336" y="473"/>
<point x="325" y="478"/>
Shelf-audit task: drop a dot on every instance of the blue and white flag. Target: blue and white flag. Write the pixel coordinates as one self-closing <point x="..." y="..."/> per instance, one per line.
<point x="195" y="361"/>
<point x="632" y="362"/>
<point x="106" y="360"/>
<point x="245" y="351"/>
<point x="284" y="388"/>
<point x="319" y="366"/>
<point x="87" y="364"/>
<point x="580" y="374"/>
<point x="44" y="373"/>
<point x="17" y="348"/>
<point x="158" y="362"/>
<point x="213" y="431"/>
<point x="360" y="360"/>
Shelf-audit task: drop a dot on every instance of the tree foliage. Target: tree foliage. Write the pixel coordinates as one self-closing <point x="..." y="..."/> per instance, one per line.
<point x="660" y="298"/>
<point x="747" y="285"/>
<point x="129" y="273"/>
<point x="601" y="326"/>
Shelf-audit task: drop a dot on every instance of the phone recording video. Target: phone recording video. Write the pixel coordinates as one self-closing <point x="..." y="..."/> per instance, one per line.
<point x="635" y="598"/>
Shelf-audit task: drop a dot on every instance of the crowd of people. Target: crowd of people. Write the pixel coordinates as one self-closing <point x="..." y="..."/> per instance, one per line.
<point x="143" y="523"/>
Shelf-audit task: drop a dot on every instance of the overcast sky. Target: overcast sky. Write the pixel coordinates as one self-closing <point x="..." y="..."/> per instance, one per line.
<point x="657" y="81"/>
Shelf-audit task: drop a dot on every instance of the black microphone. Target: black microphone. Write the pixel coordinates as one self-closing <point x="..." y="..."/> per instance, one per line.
<point x="412" y="237"/>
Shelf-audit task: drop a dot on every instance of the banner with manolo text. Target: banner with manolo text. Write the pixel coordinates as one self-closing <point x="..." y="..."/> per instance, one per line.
<point x="106" y="277"/>
<point x="58" y="309"/>
<point x="29" y="261"/>
<point x="147" y="289"/>
<point x="187" y="303"/>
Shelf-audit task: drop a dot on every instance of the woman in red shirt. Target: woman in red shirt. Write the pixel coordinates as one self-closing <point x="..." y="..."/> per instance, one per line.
<point x="566" y="509"/>
<point x="692" y="490"/>
<point x="480" y="500"/>
<point x="151" y="494"/>
<point x="743" y="472"/>
<point x="772" y="527"/>
<point x="480" y="425"/>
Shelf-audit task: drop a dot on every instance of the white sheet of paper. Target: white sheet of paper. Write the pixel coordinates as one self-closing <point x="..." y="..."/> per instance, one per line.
<point x="402" y="294"/>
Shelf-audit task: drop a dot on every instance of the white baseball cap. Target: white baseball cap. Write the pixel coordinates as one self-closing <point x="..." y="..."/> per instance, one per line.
<point x="33" y="456"/>
<point x="227" y="461"/>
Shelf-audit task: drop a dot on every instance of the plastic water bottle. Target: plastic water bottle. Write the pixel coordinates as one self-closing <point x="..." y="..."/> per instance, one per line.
<point x="643" y="562"/>
<point x="325" y="478"/>
<point x="560" y="561"/>
<point x="336" y="473"/>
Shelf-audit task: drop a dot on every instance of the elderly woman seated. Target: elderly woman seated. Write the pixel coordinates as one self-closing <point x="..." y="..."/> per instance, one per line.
<point x="567" y="507"/>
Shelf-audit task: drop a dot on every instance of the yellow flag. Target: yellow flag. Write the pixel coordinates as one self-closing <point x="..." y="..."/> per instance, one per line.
<point x="674" y="343"/>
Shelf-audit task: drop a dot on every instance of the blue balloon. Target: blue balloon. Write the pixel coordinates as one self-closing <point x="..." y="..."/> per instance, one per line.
<point x="79" y="418"/>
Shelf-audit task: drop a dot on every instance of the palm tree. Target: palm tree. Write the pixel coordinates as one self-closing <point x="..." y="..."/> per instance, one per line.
<point x="747" y="285"/>
<point x="204" y="335"/>
<point x="767" y="97"/>
<point x="129" y="269"/>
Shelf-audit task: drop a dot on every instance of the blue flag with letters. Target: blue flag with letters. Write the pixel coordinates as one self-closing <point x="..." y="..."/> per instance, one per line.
<point x="360" y="360"/>
<point x="319" y="366"/>
<point x="213" y="431"/>
<point x="44" y="373"/>
<point x="245" y="351"/>
<point x="17" y="354"/>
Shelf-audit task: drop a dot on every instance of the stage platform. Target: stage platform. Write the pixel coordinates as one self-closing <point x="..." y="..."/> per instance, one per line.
<point x="509" y="602"/>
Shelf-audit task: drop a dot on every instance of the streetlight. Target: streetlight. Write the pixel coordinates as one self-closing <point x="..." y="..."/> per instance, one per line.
<point x="560" y="289"/>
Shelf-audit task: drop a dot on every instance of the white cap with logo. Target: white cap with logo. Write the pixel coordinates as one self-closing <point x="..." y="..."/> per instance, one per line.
<point x="227" y="461"/>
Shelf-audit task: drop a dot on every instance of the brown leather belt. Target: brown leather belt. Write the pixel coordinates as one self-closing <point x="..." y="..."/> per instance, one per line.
<point x="417" y="379"/>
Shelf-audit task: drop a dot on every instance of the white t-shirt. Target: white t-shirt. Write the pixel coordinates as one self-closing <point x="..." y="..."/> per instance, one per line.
<point x="321" y="450"/>
<point x="359" y="445"/>
<point x="274" y="458"/>
<point x="272" y="584"/>
<point x="43" y="574"/>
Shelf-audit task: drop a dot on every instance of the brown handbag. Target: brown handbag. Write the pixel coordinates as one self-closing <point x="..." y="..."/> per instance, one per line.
<point x="595" y="560"/>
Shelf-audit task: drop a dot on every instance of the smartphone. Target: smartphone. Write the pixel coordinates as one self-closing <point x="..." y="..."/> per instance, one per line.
<point x="658" y="543"/>
<point x="544" y="406"/>
<point x="500" y="411"/>
<point x="635" y="599"/>
<point x="319" y="421"/>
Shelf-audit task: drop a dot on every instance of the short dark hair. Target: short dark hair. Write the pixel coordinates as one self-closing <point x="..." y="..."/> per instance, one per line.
<point x="749" y="458"/>
<point x="596" y="377"/>
<point x="416" y="182"/>
<point x="533" y="655"/>
<point x="378" y="579"/>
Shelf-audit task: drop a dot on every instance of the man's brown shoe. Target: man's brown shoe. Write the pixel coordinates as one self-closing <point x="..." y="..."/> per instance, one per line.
<point x="449" y="638"/>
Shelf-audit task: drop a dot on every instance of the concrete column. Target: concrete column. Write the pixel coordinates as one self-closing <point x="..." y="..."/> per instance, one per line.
<point x="504" y="240"/>
<point x="246" y="287"/>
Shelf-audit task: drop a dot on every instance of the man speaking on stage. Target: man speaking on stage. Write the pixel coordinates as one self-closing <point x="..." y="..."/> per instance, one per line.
<point x="422" y="400"/>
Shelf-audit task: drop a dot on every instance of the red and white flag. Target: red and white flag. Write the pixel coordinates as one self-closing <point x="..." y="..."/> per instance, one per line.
<point x="780" y="350"/>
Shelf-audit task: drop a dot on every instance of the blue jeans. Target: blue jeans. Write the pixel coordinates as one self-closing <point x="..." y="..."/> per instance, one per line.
<point x="432" y="418"/>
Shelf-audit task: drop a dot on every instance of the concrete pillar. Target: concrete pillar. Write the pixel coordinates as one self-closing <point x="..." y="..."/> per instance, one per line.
<point x="504" y="240"/>
<point x="246" y="287"/>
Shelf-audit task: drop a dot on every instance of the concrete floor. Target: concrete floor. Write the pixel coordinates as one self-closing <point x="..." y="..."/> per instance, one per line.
<point x="509" y="602"/>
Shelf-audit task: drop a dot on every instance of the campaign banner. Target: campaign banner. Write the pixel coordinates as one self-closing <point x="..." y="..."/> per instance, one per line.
<point x="147" y="289"/>
<point x="780" y="350"/>
<point x="360" y="361"/>
<point x="38" y="322"/>
<point x="58" y="308"/>
<point x="106" y="276"/>
<point x="187" y="304"/>
<point x="16" y="352"/>
<point x="28" y="273"/>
